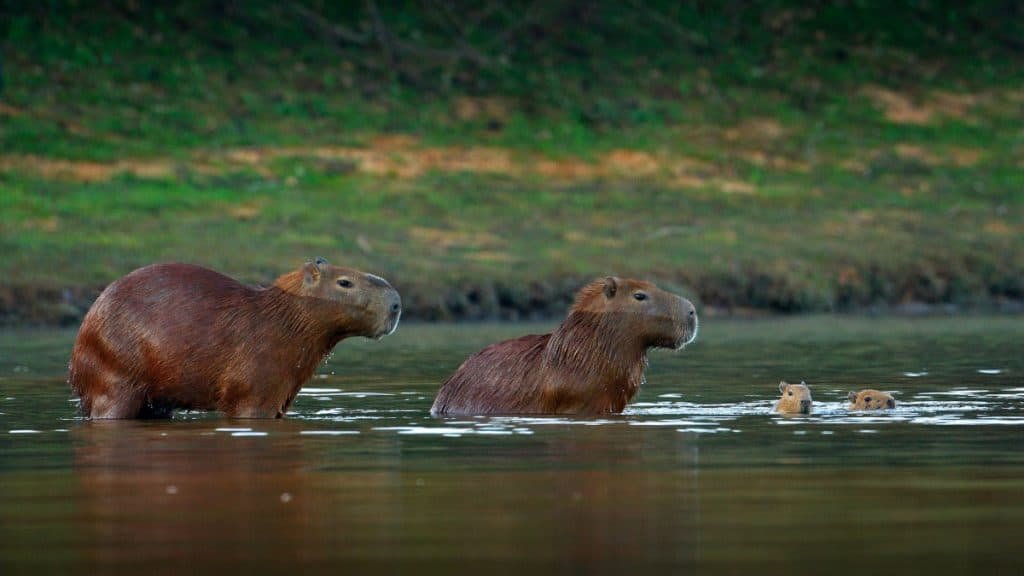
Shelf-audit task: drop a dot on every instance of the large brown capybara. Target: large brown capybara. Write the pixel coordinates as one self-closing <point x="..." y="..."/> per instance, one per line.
<point x="593" y="363"/>
<point x="870" y="399"/>
<point x="796" y="399"/>
<point x="178" y="336"/>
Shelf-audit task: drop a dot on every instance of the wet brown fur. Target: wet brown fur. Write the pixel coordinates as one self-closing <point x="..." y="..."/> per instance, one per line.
<point x="796" y="399"/>
<point x="178" y="336"/>
<point x="593" y="363"/>
<point x="870" y="399"/>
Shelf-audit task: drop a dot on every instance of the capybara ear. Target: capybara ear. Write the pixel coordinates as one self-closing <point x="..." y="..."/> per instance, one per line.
<point x="320" y="261"/>
<point x="782" y="386"/>
<point x="611" y="285"/>
<point x="311" y="273"/>
<point x="852" y="396"/>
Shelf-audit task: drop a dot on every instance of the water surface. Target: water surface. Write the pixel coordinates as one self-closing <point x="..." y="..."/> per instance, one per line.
<point x="697" y="475"/>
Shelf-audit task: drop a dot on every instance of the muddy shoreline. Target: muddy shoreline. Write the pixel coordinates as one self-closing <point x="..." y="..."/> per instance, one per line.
<point x="486" y="300"/>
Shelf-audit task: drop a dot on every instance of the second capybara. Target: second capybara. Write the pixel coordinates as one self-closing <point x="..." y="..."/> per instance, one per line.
<point x="593" y="363"/>
<point x="179" y="336"/>
<point x="796" y="399"/>
<point x="871" y="399"/>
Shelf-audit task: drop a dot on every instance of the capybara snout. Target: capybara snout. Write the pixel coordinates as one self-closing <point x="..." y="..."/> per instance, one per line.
<point x="690" y="324"/>
<point x="394" y="310"/>
<point x="384" y="307"/>
<point x="680" y="322"/>
<point x="393" y="313"/>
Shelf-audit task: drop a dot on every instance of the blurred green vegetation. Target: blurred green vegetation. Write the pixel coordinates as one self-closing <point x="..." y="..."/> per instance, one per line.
<point x="490" y="156"/>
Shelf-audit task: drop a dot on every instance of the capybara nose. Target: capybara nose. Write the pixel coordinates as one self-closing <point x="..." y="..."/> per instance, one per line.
<point x="805" y="406"/>
<point x="394" y="303"/>
<point x="690" y="317"/>
<point x="690" y="311"/>
<point x="890" y="403"/>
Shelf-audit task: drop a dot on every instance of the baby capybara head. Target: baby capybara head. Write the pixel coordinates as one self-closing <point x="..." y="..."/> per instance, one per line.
<point x="364" y="304"/>
<point x="639" y="310"/>
<point x="796" y="399"/>
<point x="871" y="400"/>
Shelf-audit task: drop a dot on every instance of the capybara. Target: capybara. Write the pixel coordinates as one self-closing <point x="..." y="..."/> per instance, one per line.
<point x="593" y="363"/>
<point x="179" y="336"/>
<point x="796" y="399"/>
<point x="871" y="400"/>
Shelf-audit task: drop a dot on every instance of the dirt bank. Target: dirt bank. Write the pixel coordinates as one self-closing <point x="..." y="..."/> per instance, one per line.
<point x="905" y="291"/>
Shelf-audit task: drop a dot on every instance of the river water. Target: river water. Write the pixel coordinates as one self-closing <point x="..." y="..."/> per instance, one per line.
<point x="696" y="476"/>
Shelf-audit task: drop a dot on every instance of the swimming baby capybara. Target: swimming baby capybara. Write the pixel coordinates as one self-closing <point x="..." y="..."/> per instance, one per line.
<point x="870" y="399"/>
<point x="178" y="336"/>
<point x="593" y="363"/>
<point x="796" y="399"/>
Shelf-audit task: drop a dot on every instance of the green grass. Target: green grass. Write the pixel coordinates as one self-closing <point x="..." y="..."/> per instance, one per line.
<point x="803" y="194"/>
<point x="851" y="244"/>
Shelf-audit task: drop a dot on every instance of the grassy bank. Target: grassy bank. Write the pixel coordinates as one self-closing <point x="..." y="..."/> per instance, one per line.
<point x="812" y="159"/>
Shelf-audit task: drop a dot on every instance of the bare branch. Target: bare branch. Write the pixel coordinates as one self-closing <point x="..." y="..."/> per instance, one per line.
<point x="336" y="32"/>
<point x="381" y="33"/>
<point x="399" y="54"/>
<point x="666" y="23"/>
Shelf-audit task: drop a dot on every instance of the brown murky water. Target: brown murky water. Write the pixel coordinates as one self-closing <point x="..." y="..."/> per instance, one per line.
<point x="697" y="476"/>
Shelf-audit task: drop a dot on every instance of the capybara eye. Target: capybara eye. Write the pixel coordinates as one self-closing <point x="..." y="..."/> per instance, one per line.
<point x="345" y="283"/>
<point x="640" y="296"/>
<point x="867" y="398"/>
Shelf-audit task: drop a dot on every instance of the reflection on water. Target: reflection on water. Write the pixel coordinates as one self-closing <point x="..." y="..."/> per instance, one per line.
<point x="139" y="484"/>
<point x="698" y="474"/>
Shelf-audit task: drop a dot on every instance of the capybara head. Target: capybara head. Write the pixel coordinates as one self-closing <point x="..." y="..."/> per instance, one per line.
<point x="871" y="400"/>
<point x="365" y="304"/>
<point x="796" y="399"/>
<point x="639" y="309"/>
